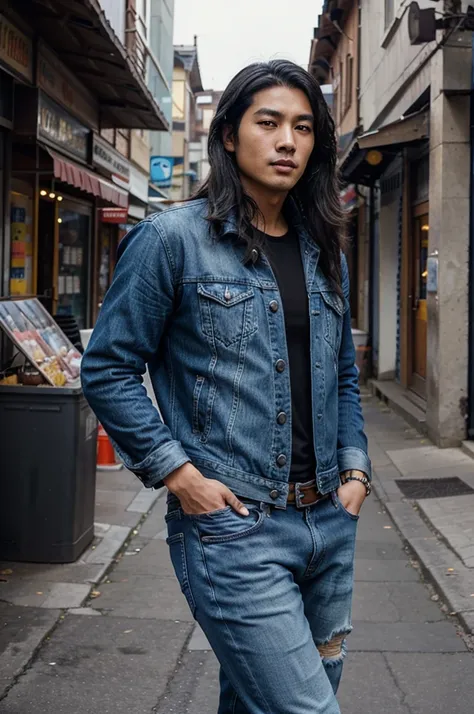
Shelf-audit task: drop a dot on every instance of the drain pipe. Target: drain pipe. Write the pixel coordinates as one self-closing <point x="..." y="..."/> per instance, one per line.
<point x="470" y="415"/>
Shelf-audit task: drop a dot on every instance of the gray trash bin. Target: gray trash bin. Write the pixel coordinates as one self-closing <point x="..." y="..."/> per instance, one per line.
<point x="48" y="451"/>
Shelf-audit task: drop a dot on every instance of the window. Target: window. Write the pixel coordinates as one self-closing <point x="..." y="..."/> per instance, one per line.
<point x="389" y="12"/>
<point x="349" y="82"/>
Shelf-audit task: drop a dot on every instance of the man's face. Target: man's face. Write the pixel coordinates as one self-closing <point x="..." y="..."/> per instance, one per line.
<point x="275" y="139"/>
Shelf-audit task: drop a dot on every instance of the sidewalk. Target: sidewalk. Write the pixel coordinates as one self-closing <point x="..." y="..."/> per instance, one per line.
<point x="429" y="494"/>
<point x="34" y="597"/>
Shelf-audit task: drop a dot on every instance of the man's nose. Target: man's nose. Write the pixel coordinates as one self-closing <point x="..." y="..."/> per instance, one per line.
<point x="286" y="140"/>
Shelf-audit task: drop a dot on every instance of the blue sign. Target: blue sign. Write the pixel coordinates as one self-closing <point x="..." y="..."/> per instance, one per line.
<point x="161" y="170"/>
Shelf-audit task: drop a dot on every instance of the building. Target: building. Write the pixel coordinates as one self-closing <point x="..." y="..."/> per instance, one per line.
<point x="186" y="84"/>
<point x="205" y="109"/>
<point x="410" y="156"/>
<point x="75" y="104"/>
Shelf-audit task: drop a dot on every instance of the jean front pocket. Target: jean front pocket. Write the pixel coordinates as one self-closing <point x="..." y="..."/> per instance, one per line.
<point x="227" y="312"/>
<point x="228" y="525"/>
<point x="178" y="558"/>
<point x="338" y="503"/>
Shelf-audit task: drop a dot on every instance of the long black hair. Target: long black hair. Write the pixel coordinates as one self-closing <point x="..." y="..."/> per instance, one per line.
<point x="317" y="192"/>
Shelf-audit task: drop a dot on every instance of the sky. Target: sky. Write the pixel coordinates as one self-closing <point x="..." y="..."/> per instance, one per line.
<point x="234" y="34"/>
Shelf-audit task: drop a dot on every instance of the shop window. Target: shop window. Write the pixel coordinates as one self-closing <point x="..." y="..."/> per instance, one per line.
<point x="73" y="261"/>
<point x="21" y="256"/>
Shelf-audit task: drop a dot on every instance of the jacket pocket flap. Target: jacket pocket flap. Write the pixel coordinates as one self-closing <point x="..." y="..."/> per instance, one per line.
<point x="334" y="301"/>
<point x="226" y="295"/>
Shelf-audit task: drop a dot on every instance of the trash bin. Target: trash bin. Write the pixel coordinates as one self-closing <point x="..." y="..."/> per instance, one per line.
<point x="48" y="442"/>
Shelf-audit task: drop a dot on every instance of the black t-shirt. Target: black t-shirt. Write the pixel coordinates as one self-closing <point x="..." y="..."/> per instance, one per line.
<point x="285" y="258"/>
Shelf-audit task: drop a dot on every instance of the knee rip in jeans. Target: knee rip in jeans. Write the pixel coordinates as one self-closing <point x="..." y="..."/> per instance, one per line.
<point x="334" y="650"/>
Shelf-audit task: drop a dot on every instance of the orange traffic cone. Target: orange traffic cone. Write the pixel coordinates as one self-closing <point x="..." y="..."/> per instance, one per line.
<point x="105" y="452"/>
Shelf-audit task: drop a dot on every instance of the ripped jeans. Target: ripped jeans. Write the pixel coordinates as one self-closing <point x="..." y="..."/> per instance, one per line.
<point x="272" y="591"/>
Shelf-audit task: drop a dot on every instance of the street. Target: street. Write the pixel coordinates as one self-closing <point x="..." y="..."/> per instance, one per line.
<point x="133" y="646"/>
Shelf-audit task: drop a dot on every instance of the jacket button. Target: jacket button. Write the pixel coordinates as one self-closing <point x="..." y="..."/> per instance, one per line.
<point x="274" y="494"/>
<point x="281" y="418"/>
<point x="274" y="306"/>
<point x="281" y="460"/>
<point x="280" y="365"/>
<point x="254" y="255"/>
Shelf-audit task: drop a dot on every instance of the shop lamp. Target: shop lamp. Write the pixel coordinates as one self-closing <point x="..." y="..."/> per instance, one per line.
<point x="60" y="220"/>
<point x="374" y="157"/>
<point x="43" y="192"/>
<point x="60" y="198"/>
<point x="52" y="195"/>
<point x="425" y="227"/>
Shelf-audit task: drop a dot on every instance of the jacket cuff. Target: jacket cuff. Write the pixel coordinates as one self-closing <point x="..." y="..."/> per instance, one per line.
<point x="152" y="470"/>
<point x="350" y="457"/>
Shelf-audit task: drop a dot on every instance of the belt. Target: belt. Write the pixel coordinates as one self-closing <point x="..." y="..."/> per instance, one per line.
<point x="303" y="494"/>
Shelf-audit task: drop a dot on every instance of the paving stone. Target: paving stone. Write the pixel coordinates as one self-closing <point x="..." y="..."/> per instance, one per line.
<point x="154" y="598"/>
<point x="428" y="458"/>
<point x="195" y="687"/>
<point x="109" y="545"/>
<point x="152" y="559"/>
<point x="198" y="640"/>
<point x="103" y="664"/>
<point x="84" y="611"/>
<point x="405" y="637"/>
<point x="370" y="550"/>
<point x="114" y="515"/>
<point x="394" y="602"/>
<point x="22" y="629"/>
<point x="144" y="500"/>
<point x="114" y="497"/>
<point x="435" y="683"/>
<point x="64" y="595"/>
<point x="368" y="687"/>
<point x="385" y="571"/>
<point x="453" y="518"/>
<point x="77" y="572"/>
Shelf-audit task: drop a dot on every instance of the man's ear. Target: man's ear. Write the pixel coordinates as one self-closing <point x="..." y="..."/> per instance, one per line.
<point x="228" y="138"/>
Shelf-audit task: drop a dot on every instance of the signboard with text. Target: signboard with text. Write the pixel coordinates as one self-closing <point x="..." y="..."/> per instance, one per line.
<point x="16" y="49"/>
<point x="113" y="215"/>
<point x="58" y="127"/>
<point x="106" y="157"/>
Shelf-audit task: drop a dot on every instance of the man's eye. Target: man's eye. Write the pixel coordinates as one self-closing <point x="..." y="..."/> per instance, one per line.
<point x="303" y="126"/>
<point x="267" y="123"/>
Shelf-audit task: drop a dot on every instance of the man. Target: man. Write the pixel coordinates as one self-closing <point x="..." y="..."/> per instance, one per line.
<point x="238" y="303"/>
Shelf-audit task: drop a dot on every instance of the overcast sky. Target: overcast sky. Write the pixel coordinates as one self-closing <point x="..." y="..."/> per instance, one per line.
<point x="233" y="34"/>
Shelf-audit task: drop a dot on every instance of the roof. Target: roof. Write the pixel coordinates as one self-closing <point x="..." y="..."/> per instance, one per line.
<point x="186" y="56"/>
<point x="82" y="37"/>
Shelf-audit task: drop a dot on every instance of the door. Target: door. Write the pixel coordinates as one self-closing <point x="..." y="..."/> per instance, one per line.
<point x="47" y="235"/>
<point x="74" y="231"/>
<point x="418" y="302"/>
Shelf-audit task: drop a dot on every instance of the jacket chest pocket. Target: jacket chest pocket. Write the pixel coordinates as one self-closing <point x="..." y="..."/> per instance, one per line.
<point x="333" y="309"/>
<point x="227" y="312"/>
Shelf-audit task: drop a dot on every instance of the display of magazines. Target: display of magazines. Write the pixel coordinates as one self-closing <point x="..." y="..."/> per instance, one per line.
<point x="32" y="329"/>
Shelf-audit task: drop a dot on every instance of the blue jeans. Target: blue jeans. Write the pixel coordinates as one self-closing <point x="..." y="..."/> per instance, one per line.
<point x="272" y="592"/>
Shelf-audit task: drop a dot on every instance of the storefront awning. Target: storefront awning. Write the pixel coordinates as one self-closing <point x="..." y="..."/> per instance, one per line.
<point x="83" y="38"/>
<point x="69" y="172"/>
<point x="369" y="155"/>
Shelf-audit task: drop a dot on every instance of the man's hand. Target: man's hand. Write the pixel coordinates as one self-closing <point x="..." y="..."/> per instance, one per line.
<point x="198" y="494"/>
<point x="352" y="495"/>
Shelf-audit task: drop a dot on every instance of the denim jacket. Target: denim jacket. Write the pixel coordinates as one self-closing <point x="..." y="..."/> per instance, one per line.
<point x="211" y="329"/>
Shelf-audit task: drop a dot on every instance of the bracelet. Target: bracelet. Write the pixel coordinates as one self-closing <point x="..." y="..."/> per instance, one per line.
<point x="361" y="479"/>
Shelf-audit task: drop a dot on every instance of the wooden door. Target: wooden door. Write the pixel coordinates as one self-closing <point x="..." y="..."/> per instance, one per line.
<point x="418" y="299"/>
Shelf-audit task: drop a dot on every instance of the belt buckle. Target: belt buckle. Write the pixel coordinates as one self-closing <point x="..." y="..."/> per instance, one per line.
<point x="299" y="496"/>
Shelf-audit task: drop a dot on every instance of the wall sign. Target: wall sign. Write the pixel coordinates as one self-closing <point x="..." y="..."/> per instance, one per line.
<point x="161" y="170"/>
<point x="106" y="157"/>
<point x="59" y="128"/>
<point x="113" y="215"/>
<point x="57" y="81"/>
<point x="16" y="49"/>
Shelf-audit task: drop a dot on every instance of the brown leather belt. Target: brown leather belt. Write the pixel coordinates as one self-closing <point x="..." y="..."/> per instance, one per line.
<point x="303" y="494"/>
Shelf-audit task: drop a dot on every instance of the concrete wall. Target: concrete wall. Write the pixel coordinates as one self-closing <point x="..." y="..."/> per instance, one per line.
<point x="345" y="102"/>
<point x="393" y="73"/>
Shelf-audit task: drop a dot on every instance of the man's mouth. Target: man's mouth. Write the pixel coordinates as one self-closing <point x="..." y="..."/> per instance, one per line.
<point x="289" y="163"/>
